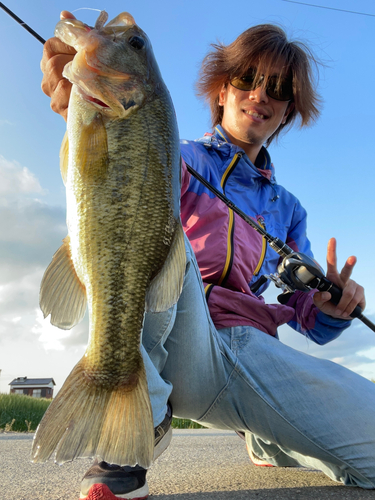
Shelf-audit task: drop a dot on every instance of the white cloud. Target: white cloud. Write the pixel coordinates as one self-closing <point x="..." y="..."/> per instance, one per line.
<point x="30" y="232"/>
<point x="370" y="353"/>
<point x="16" y="179"/>
<point x="353" y="349"/>
<point x="340" y="361"/>
<point x="50" y="336"/>
<point x="6" y="122"/>
<point x="53" y="338"/>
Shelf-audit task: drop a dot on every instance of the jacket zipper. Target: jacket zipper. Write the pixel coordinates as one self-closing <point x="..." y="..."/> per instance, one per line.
<point x="260" y="221"/>
<point x="229" y="170"/>
<point x="230" y="239"/>
<point x="229" y="259"/>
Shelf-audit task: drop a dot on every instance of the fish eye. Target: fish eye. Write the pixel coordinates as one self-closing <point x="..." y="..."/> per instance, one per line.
<point x="136" y="41"/>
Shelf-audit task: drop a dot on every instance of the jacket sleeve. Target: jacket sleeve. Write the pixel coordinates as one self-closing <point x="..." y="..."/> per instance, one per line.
<point x="308" y="319"/>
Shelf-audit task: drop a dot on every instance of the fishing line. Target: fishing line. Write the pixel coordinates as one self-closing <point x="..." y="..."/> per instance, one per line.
<point x="331" y="8"/>
<point x="86" y="8"/>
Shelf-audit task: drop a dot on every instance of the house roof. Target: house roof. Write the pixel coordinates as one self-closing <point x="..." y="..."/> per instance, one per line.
<point x="32" y="381"/>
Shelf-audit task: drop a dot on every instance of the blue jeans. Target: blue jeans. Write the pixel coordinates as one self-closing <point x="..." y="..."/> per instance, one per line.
<point x="294" y="409"/>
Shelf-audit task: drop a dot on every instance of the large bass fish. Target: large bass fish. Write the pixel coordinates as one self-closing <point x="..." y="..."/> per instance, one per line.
<point x="124" y="253"/>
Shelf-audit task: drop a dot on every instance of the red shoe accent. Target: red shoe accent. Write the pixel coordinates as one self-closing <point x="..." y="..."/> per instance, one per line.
<point x="102" y="492"/>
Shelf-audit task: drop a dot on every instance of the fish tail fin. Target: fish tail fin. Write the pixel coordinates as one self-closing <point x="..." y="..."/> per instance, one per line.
<point x="87" y="420"/>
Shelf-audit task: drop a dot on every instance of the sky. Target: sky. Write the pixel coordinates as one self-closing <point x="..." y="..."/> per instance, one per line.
<point x="328" y="166"/>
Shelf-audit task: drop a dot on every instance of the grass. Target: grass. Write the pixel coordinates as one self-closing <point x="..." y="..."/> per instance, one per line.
<point x="23" y="413"/>
<point x="184" y="423"/>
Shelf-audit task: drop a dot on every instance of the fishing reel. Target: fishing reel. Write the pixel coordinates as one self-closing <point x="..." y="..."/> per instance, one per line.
<point x="297" y="271"/>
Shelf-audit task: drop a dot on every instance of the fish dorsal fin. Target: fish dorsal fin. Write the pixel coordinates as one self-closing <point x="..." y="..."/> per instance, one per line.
<point x="61" y="292"/>
<point x="166" y="287"/>
<point x="93" y="150"/>
<point x="64" y="157"/>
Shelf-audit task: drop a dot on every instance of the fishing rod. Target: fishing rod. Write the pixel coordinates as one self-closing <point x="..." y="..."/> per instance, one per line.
<point x="296" y="271"/>
<point x="23" y="24"/>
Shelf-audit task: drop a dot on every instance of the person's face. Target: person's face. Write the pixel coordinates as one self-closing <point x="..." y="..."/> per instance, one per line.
<point x="250" y="117"/>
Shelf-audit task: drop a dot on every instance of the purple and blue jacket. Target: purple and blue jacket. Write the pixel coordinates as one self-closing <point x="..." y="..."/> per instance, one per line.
<point x="231" y="255"/>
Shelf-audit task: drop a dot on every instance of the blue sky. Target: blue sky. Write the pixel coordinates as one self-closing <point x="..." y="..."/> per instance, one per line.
<point x="329" y="166"/>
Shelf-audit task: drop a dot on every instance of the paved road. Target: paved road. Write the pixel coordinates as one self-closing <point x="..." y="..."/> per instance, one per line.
<point x="198" y="465"/>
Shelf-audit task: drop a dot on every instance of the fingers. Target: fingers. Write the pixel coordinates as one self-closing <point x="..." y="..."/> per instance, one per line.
<point x="60" y="98"/>
<point x="347" y="270"/>
<point x="331" y="257"/>
<point x="352" y="293"/>
<point x="55" y="85"/>
<point x="56" y="55"/>
<point x="65" y="14"/>
<point x="340" y="279"/>
<point x="321" y="300"/>
<point x="52" y="74"/>
<point x="54" y="47"/>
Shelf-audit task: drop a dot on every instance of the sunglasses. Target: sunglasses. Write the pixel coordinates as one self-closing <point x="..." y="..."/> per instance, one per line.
<point x="279" y="89"/>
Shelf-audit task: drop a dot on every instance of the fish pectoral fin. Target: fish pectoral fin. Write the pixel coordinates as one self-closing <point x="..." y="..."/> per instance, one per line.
<point x="93" y="150"/>
<point x="64" y="158"/>
<point x="61" y="292"/>
<point x="166" y="287"/>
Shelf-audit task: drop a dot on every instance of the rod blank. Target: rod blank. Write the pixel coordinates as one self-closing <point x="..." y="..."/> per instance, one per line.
<point x="24" y="25"/>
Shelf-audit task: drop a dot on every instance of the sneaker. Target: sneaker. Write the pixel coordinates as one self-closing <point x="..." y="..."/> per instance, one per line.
<point x="105" y="481"/>
<point x="256" y="460"/>
<point x="102" y="492"/>
<point x="163" y="433"/>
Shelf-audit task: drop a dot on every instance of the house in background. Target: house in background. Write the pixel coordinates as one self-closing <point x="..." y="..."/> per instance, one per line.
<point x="35" y="387"/>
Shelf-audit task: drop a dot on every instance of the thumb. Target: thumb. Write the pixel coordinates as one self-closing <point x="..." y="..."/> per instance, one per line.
<point x="320" y="298"/>
<point x="65" y="14"/>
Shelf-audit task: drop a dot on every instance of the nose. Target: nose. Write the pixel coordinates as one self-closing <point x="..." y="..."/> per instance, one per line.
<point x="258" y="95"/>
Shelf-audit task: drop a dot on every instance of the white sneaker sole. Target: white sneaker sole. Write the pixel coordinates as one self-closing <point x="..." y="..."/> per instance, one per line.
<point x="163" y="444"/>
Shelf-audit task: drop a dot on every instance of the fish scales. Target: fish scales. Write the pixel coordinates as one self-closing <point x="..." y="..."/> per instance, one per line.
<point x="125" y="201"/>
<point x="124" y="253"/>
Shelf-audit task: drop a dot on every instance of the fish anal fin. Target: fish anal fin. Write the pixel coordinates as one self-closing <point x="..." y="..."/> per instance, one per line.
<point x="93" y="150"/>
<point x="86" y="420"/>
<point x="64" y="157"/>
<point x="61" y="292"/>
<point x="166" y="287"/>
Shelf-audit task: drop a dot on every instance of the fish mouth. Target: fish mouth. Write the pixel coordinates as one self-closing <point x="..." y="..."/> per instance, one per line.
<point x="79" y="73"/>
<point x="95" y="101"/>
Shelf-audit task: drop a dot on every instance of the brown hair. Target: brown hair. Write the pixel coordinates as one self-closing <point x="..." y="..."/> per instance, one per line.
<point x="262" y="47"/>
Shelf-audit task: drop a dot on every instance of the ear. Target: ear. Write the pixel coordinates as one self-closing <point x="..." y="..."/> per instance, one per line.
<point x="288" y="110"/>
<point x="222" y="95"/>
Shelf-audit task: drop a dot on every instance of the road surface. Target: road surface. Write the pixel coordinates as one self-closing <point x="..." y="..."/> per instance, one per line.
<point x="200" y="464"/>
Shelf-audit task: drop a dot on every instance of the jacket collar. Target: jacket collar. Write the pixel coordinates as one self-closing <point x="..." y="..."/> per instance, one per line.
<point x="263" y="162"/>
